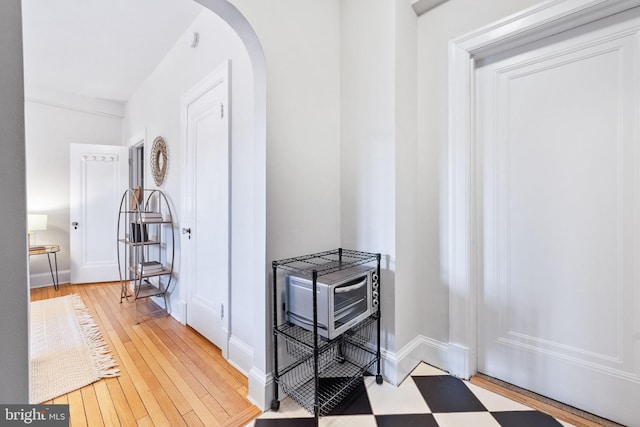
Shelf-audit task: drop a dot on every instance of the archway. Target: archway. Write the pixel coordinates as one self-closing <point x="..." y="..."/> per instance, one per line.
<point x="255" y="261"/>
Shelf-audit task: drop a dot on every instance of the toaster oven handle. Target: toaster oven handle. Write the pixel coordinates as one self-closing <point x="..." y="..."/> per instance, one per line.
<point x="358" y="285"/>
<point x="305" y="320"/>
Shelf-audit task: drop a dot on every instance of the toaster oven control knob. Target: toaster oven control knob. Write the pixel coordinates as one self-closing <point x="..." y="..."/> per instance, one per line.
<point x="375" y="302"/>
<point x="374" y="281"/>
<point x="375" y="295"/>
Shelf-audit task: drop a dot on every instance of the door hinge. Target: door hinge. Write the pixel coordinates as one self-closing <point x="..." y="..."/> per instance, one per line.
<point x="222" y="311"/>
<point x="221" y="110"/>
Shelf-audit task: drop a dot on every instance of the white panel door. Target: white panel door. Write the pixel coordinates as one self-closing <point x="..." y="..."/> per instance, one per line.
<point x="205" y="221"/>
<point x="558" y="134"/>
<point x="99" y="175"/>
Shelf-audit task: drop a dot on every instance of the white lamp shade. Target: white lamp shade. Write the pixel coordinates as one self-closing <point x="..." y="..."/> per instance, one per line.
<point x="37" y="222"/>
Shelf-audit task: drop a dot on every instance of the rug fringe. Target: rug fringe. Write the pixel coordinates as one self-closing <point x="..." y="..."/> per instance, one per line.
<point x="105" y="364"/>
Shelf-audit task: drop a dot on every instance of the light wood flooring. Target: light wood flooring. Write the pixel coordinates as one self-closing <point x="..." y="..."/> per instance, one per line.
<point x="557" y="410"/>
<point x="169" y="374"/>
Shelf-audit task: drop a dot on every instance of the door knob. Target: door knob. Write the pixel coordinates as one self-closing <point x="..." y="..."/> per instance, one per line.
<point x="187" y="231"/>
<point x="74" y="224"/>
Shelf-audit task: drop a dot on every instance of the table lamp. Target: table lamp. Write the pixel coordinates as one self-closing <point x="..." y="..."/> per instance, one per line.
<point x="36" y="222"/>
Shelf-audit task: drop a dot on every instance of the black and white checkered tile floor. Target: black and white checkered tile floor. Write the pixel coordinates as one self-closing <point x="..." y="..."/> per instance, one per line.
<point x="429" y="398"/>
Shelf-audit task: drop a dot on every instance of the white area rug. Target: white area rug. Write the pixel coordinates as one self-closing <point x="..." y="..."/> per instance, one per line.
<point x="67" y="349"/>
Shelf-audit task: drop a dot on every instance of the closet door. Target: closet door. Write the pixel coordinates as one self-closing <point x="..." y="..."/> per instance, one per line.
<point x="558" y="134"/>
<point x="205" y="221"/>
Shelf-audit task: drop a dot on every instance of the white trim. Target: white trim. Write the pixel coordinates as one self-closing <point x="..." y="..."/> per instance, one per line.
<point x="435" y="353"/>
<point x="423" y="6"/>
<point x="218" y="76"/>
<point x="42" y="280"/>
<point x="180" y="313"/>
<point x="63" y="106"/>
<point x="462" y="283"/>
<point x="72" y="102"/>
<point x="240" y="355"/>
<point x="539" y="21"/>
<point x="460" y="361"/>
<point x="260" y="388"/>
<point x="397" y="366"/>
<point x="548" y="18"/>
<point x="138" y="139"/>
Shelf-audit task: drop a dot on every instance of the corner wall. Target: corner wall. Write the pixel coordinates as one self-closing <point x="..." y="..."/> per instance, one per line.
<point x="409" y="308"/>
<point x="379" y="161"/>
<point x="14" y="292"/>
<point x="367" y="156"/>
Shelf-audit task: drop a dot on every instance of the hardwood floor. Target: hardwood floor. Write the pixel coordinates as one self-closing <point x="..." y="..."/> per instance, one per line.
<point x="557" y="410"/>
<point x="169" y="374"/>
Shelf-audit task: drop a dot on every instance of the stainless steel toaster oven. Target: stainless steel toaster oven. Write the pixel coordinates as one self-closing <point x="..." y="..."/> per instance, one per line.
<point x="345" y="298"/>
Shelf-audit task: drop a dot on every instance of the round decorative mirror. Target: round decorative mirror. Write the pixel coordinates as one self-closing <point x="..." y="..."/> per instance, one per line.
<point x="159" y="160"/>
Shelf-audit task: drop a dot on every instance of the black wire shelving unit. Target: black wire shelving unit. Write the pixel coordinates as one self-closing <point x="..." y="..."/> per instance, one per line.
<point x="320" y="373"/>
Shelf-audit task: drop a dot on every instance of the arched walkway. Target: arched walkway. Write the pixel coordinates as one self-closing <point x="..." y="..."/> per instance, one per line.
<point x="254" y="261"/>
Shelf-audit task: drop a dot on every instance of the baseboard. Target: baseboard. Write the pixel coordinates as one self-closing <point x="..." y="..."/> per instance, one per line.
<point x="240" y="355"/>
<point x="42" y="280"/>
<point x="397" y="366"/>
<point x="394" y="364"/>
<point x="260" y="388"/>
<point x="460" y="361"/>
<point x="435" y="353"/>
<point x="179" y="311"/>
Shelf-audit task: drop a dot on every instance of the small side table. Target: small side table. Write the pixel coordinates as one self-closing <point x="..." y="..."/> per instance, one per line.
<point x="48" y="250"/>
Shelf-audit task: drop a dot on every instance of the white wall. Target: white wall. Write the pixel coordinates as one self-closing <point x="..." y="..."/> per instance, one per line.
<point x="435" y="28"/>
<point x="368" y="126"/>
<point x="14" y="293"/>
<point x="408" y="306"/>
<point x="368" y="186"/>
<point x="301" y="41"/>
<point x="53" y="121"/>
<point x="379" y="157"/>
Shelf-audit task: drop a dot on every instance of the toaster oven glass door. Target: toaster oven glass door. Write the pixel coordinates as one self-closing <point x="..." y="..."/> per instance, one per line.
<point x="350" y="301"/>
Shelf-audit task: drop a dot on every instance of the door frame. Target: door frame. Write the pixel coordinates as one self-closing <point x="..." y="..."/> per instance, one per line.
<point x="136" y="143"/>
<point x="464" y="230"/>
<point x="220" y="73"/>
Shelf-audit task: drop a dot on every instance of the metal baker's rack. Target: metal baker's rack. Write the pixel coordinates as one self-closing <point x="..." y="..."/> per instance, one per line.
<point x="320" y="373"/>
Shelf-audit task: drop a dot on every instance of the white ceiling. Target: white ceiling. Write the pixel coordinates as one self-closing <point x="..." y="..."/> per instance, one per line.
<point x="99" y="48"/>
